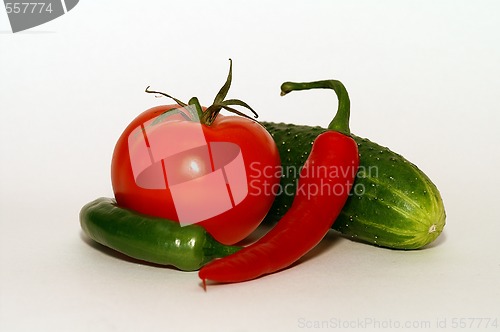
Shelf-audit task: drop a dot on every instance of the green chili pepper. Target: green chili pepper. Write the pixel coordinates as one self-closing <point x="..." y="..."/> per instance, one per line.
<point x="151" y="239"/>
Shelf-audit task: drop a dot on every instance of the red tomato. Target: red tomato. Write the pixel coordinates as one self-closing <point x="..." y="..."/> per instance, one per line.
<point x="183" y="170"/>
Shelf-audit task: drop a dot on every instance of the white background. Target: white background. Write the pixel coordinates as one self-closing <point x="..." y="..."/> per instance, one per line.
<point x="424" y="80"/>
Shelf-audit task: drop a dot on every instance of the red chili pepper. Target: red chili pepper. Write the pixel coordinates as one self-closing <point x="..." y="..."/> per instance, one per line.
<point x="322" y="190"/>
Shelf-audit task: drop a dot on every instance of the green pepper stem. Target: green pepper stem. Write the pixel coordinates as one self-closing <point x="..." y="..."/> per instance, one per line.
<point x="213" y="249"/>
<point x="340" y="122"/>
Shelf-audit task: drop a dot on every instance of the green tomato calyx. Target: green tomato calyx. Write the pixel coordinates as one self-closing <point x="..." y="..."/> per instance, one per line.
<point x="208" y="116"/>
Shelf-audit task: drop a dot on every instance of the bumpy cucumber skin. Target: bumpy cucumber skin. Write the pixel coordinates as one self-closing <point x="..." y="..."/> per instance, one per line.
<point x="393" y="203"/>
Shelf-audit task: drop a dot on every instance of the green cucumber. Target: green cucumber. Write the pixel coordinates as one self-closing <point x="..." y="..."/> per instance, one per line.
<point x="392" y="204"/>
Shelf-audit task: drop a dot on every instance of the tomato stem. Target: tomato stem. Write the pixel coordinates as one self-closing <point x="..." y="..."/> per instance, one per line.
<point x="225" y="88"/>
<point x="208" y="116"/>
<point x="211" y="112"/>
<point x="196" y="103"/>
<point x="164" y="94"/>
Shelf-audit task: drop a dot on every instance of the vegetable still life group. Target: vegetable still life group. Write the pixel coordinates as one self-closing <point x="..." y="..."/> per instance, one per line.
<point x="190" y="184"/>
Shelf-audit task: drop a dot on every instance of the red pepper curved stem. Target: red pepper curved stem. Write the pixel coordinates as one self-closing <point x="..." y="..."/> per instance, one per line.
<point x="340" y="122"/>
<point x="323" y="188"/>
